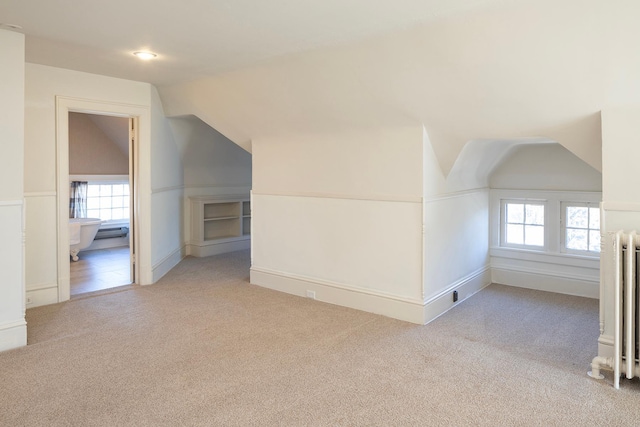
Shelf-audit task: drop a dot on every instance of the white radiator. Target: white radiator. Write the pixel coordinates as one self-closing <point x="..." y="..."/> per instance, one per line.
<point x="626" y="303"/>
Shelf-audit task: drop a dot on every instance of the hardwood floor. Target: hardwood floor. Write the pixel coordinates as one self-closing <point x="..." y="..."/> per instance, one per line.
<point x="100" y="269"/>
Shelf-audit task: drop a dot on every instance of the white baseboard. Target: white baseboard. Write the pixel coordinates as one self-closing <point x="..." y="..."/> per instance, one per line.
<point x="43" y="295"/>
<point x="167" y="263"/>
<point x="546" y="282"/>
<point x="406" y="309"/>
<point x="13" y="335"/>
<point x="219" y="248"/>
<point x="466" y="287"/>
<point x="334" y="293"/>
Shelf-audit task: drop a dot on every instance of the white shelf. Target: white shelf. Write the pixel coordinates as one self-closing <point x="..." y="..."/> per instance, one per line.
<point x="219" y="224"/>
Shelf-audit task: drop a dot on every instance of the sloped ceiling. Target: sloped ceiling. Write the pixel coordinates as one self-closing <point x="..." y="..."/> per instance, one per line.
<point x="534" y="69"/>
<point x="464" y="69"/>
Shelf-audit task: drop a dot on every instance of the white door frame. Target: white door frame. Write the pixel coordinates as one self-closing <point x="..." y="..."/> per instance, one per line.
<point x="142" y="176"/>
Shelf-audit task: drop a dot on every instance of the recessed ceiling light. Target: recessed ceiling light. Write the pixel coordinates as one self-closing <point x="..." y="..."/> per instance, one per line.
<point x="10" y="26"/>
<point x="145" y="55"/>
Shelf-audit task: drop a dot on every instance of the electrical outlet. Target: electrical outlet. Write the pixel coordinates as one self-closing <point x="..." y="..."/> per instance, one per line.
<point x="29" y="300"/>
<point x="311" y="294"/>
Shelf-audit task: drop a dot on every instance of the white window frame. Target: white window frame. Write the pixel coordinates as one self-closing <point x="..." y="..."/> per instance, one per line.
<point x="503" y="223"/>
<point x="563" y="227"/>
<point x="128" y="197"/>
<point x="111" y="180"/>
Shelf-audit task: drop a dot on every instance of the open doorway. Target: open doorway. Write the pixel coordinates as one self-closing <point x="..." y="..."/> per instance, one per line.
<point x="100" y="210"/>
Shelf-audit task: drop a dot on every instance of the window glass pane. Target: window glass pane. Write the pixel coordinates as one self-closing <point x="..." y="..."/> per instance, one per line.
<point x="93" y="190"/>
<point x="594" y="218"/>
<point x="93" y="202"/>
<point x="125" y="213"/>
<point x="515" y="213"/>
<point x="534" y="214"/>
<point x="577" y="216"/>
<point x="594" y="240"/>
<point x="125" y="202"/>
<point x="117" y="202"/>
<point x="534" y="235"/>
<point x="93" y="213"/>
<point x="117" y="190"/>
<point x="126" y="189"/>
<point x="577" y="239"/>
<point x="105" y="190"/>
<point x="515" y="234"/>
<point x="105" y="202"/>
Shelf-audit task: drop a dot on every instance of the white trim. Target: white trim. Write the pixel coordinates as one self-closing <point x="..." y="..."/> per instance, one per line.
<point x="220" y="246"/>
<point x="13" y="335"/>
<point x="403" y="308"/>
<point x="142" y="218"/>
<point x="546" y="257"/>
<point x="540" y="280"/>
<point x="469" y="285"/>
<point x="456" y="194"/>
<point x="330" y="283"/>
<point x="593" y="279"/>
<point x="409" y="310"/>
<point x="41" y="286"/>
<point x="41" y="296"/>
<point x="40" y="194"/>
<point x="369" y="197"/>
<point x="458" y="283"/>
<point x="620" y="206"/>
<point x="167" y="189"/>
<point x="163" y="266"/>
<point x="7" y="203"/>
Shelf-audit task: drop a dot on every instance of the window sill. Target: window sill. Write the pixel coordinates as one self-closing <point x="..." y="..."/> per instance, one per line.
<point x="589" y="261"/>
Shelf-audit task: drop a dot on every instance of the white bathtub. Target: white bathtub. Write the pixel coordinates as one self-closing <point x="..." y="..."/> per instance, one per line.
<point x="81" y="233"/>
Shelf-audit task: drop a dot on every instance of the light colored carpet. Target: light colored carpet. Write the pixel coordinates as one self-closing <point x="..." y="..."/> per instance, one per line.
<point x="204" y="347"/>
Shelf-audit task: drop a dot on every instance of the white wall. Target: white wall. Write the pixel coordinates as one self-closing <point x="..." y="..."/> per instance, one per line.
<point x="13" y="330"/>
<point x="42" y="85"/>
<point x="167" y="240"/>
<point x="341" y="215"/>
<point x="545" y="167"/>
<point x="456" y="226"/>
<point x="547" y="172"/>
<point x="211" y="164"/>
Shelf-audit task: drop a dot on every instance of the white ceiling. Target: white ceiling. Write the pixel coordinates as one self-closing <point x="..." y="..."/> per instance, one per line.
<point x="197" y="38"/>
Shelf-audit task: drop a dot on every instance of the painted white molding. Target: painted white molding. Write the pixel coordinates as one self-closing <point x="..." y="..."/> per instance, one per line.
<point x="167" y="189"/>
<point x="13" y="335"/>
<point x="469" y="285"/>
<point x="546" y="257"/>
<point x="142" y="116"/>
<point x="621" y="206"/>
<point x="369" y="197"/>
<point x="11" y="203"/>
<point x="221" y="247"/>
<point x="167" y="263"/>
<point x="42" y="296"/>
<point x="40" y="194"/>
<point x="456" y="194"/>
<point x="582" y="286"/>
<point x="397" y="307"/>
<point x="406" y="309"/>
